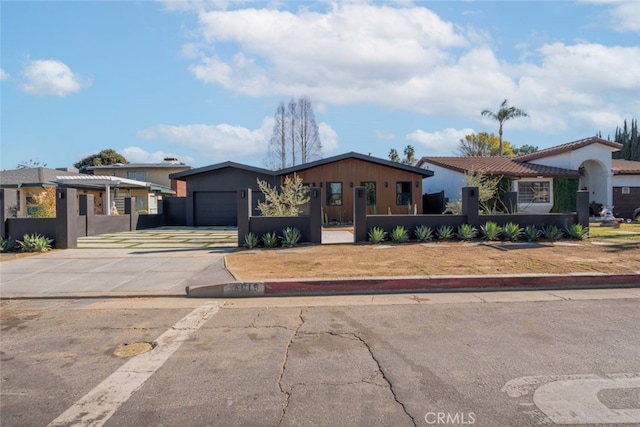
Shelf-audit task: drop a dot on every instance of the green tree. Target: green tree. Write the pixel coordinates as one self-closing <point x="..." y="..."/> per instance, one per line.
<point x="525" y="149"/>
<point x="483" y="144"/>
<point x="504" y="114"/>
<point x="630" y="139"/>
<point x="285" y="202"/>
<point x="103" y="158"/>
<point x="394" y="156"/>
<point x="45" y="204"/>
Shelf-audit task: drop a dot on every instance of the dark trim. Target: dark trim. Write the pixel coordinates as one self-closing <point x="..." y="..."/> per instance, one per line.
<point x="191" y="172"/>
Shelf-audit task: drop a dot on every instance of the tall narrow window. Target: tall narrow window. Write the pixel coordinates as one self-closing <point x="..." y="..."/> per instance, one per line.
<point x="370" y="188"/>
<point x="334" y="194"/>
<point x="403" y="193"/>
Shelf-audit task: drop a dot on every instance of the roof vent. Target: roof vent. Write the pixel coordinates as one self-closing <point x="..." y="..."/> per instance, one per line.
<point x="171" y="160"/>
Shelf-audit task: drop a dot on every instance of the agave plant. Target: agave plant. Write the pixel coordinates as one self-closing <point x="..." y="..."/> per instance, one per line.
<point x="552" y="232"/>
<point x="269" y="240"/>
<point x="512" y="231"/>
<point x="399" y="235"/>
<point x="35" y="243"/>
<point x="490" y="230"/>
<point x="577" y="231"/>
<point x="445" y="232"/>
<point x="290" y="237"/>
<point x="377" y="235"/>
<point x="531" y="233"/>
<point x="251" y="241"/>
<point x="467" y="232"/>
<point x="7" y="244"/>
<point x="423" y="233"/>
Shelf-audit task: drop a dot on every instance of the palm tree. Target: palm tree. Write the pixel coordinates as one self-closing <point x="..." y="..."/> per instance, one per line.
<point x="504" y="113"/>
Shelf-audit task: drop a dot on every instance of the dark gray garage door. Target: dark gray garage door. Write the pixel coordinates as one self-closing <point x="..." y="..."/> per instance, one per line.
<point x="215" y="208"/>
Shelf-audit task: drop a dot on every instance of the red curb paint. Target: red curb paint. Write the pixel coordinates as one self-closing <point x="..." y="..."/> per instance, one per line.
<point x="350" y="286"/>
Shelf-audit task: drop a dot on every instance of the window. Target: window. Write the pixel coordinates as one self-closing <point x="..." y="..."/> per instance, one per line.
<point x="626" y="190"/>
<point x="137" y="175"/>
<point x="334" y="194"/>
<point x="370" y="188"/>
<point x="403" y="193"/>
<point x="534" y="192"/>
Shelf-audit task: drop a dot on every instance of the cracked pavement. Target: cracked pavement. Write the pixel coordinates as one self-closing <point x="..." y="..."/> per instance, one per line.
<point x="329" y="365"/>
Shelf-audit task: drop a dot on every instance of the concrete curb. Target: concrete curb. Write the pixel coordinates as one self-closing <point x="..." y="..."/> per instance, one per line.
<point x="350" y="286"/>
<point x="91" y="295"/>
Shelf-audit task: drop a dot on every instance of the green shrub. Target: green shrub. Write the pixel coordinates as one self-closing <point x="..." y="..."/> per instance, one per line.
<point x="251" y="241"/>
<point x="377" y="235"/>
<point x="552" y="232"/>
<point x="512" y="231"/>
<point x="467" y="232"/>
<point x="399" y="235"/>
<point x="35" y="243"/>
<point x="7" y="244"/>
<point x="423" y="233"/>
<point x="270" y="240"/>
<point x="490" y="230"/>
<point x="290" y="237"/>
<point x="577" y="231"/>
<point x="531" y="233"/>
<point x="445" y="232"/>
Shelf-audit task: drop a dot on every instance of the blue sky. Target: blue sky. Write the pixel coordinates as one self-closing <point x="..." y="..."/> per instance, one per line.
<point x="201" y="80"/>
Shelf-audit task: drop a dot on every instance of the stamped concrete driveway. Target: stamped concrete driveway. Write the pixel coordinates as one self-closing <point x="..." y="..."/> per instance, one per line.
<point x="164" y="237"/>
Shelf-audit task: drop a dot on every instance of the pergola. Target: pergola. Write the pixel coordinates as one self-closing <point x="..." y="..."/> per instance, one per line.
<point x="105" y="182"/>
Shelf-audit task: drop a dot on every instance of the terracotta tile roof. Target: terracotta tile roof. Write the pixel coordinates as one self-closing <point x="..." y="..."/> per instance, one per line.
<point x="570" y="146"/>
<point x="625" y="167"/>
<point x="506" y="166"/>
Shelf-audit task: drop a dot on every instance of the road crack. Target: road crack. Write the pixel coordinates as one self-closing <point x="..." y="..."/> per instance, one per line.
<point x="287" y="393"/>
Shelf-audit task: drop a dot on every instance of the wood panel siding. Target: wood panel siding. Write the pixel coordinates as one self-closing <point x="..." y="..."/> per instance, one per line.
<point x="351" y="173"/>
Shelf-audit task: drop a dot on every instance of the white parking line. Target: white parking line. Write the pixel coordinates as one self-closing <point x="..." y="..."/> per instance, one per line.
<point x="97" y="406"/>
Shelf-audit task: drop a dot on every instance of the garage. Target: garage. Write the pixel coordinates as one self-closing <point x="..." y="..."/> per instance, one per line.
<point x="215" y="208"/>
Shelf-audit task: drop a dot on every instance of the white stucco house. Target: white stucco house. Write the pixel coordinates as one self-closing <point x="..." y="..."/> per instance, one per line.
<point x="532" y="175"/>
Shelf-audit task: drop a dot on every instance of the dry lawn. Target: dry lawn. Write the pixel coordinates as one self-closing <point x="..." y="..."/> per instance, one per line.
<point x="441" y="258"/>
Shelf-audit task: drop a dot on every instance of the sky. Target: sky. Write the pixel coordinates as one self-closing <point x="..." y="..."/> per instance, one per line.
<point x="201" y="80"/>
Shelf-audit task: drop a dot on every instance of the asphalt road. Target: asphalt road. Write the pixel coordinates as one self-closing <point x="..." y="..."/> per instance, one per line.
<point x="398" y="360"/>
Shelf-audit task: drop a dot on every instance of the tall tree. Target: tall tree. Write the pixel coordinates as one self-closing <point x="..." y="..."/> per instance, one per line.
<point x="103" y="158"/>
<point x="525" y="149"/>
<point x="296" y="137"/>
<point x="409" y="155"/>
<point x="307" y="131"/>
<point x="278" y="143"/>
<point x="630" y="139"/>
<point x="504" y="114"/>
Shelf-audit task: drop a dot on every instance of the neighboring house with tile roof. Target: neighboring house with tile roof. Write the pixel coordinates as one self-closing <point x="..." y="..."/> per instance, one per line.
<point x="532" y="175"/>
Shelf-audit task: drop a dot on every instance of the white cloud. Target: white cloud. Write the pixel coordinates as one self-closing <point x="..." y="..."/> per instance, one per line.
<point x="4" y="75"/>
<point x="211" y="142"/>
<point x="51" y="77"/>
<point x="440" y="143"/>
<point x="329" y="138"/>
<point x="624" y="14"/>
<point x="408" y="58"/>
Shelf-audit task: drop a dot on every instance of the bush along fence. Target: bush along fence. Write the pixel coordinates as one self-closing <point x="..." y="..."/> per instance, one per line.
<point x="74" y="218"/>
<point x="384" y="227"/>
<point x="308" y="226"/>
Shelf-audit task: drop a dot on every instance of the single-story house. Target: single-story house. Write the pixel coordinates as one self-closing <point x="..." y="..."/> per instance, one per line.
<point x="158" y="173"/>
<point x="395" y="187"/>
<point x="532" y="175"/>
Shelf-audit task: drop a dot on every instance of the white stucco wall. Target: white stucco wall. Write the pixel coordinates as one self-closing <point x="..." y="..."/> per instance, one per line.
<point x="626" y="180"/>
<point x="535" y="208"/>
<point x="443" y="179"/>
